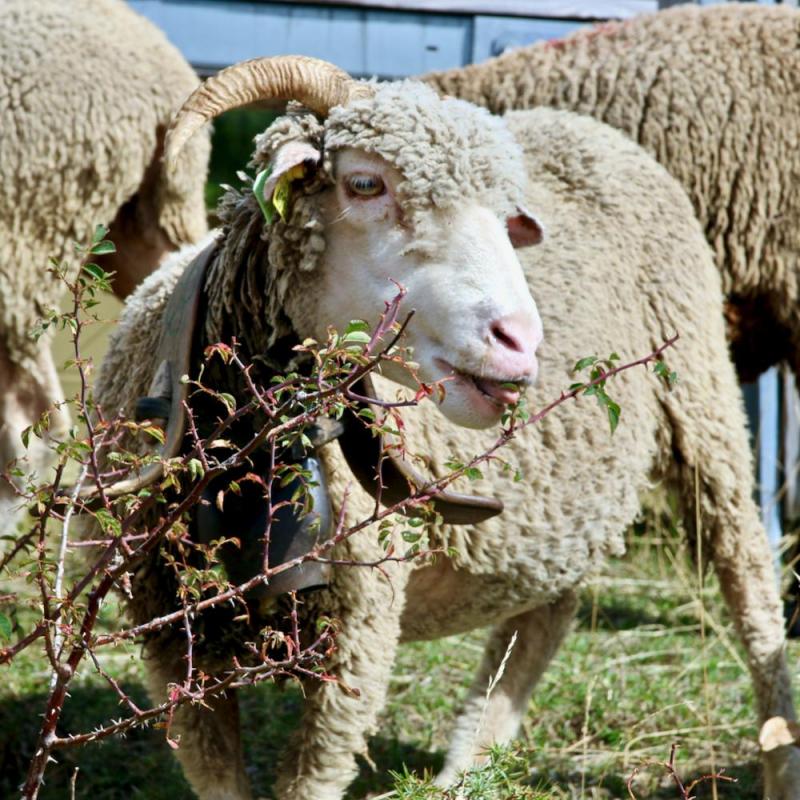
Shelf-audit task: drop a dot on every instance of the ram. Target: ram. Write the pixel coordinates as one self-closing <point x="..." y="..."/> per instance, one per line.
<point x="712" y="93"/>
<point x="397" y="183"/>
<point x="87" y="89"/>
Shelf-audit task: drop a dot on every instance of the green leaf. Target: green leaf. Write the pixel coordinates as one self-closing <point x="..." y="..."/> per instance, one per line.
<point x="282" y="195"/>
<point x="355" y="337"/>
<point x="94" y="271"/>
<point x="103" y="248"/>
<point x="473" y="473"/>
<point x="5" y="628"/>
<point x="228" y="400"/>
<point x="100" y="232"/>
<point x="110" y="524"/>
<point x="156" y="432"/>
<point x="356" y="325"/>
<point x="613" y="414"/>
<point x="663" y="372"/>
<point x="583" y="363"/>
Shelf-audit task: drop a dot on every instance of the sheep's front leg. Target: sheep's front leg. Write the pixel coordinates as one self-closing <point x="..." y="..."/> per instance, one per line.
<point x="337" y="719"/>
<point x="483" y="722"/>
<point x="25" y="394"/>
<point x="210" y="750"/>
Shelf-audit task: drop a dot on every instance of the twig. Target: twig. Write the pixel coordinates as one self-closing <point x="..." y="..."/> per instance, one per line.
<point x="669" y="767"/>
<point x="60" y="562"/>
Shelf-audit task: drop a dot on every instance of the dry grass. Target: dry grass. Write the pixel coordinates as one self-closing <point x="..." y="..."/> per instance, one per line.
<point x="652" y="660"/>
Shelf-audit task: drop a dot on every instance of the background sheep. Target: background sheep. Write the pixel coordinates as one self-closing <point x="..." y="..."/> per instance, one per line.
<point x="712" y="93"/>
<point x="87" y="89"/>
<point x="611" y="274"/>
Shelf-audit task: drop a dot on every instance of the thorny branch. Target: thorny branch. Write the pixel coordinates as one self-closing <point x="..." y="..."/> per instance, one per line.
<point x="684" y="790"/>
<point x="135" y="526"/>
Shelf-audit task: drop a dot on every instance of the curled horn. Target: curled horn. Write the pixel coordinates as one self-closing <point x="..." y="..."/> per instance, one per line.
<point x="318" y="85"/>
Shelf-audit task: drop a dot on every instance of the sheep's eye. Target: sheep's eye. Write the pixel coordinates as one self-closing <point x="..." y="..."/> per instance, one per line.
<point x="365" y="185"/>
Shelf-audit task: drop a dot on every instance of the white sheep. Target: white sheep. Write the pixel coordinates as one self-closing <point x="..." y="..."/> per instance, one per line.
<point x="712" y="93"/>
<point x="401" y="184"/>
<point x="87" y="89"/>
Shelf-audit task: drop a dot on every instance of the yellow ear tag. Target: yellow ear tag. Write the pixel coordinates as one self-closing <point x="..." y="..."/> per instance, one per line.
<point x="282" y="193"/>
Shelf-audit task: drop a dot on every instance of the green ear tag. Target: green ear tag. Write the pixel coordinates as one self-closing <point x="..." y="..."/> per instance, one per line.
<point x="280" y="197"/>
<point x="283" y="189"/>
<point x="266" y="206"/>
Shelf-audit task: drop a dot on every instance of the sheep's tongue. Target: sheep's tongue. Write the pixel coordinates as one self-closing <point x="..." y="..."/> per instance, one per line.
<point x="502" y="392"/>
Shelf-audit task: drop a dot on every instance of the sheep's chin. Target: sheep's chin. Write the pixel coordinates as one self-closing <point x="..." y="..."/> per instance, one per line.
<point x="463" y="404"/>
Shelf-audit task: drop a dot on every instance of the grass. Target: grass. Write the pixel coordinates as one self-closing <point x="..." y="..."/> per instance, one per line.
<point x="635" y="675"/>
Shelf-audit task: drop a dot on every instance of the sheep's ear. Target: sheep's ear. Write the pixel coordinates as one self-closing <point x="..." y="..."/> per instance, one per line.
<point x="291" y="156"/>
<point x="524" y="229"/>
<point x="272" y="187"/>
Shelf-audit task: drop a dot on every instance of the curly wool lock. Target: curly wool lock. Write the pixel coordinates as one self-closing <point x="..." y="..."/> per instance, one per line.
<point x="713" y="94"/>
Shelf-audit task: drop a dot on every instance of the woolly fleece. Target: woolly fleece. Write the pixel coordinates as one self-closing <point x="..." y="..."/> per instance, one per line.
<point x="713" y="94"/>
<point x="611" y="275"/>
<point x="86" y="89"/>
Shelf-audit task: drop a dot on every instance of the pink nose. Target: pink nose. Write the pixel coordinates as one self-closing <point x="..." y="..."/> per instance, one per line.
<point x="512" y="346"/>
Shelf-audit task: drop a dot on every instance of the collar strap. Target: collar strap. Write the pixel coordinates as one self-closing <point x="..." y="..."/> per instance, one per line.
<point x="165" y="405"/>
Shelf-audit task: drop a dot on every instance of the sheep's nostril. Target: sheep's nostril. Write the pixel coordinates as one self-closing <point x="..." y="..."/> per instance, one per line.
<point x="505" y="338"/>
<point x="512" y="341"/>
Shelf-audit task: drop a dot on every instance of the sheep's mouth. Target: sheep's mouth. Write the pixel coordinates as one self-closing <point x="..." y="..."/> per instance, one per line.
<point x="500" y="392"/>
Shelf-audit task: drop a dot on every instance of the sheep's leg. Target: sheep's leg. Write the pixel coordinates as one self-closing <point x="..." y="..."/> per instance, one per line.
<point x="716" y="481"/>
<point x="496" y="720"/>
<point x="210" y="750"/>
<point x="743" y="563"/>
<point x="26" y="392"/>
<point x="320" y="763"/>
<point x="747" y="578"/>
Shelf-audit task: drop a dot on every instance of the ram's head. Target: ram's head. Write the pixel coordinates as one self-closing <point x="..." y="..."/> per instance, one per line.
<point x="382" y="184"/>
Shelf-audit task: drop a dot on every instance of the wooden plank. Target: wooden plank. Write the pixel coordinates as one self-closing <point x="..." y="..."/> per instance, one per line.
<point x="495" y="35"/>
<point x="581" y="9"/>
<point x="387" y="44"/>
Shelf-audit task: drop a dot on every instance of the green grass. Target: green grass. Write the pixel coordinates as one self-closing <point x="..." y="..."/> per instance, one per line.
<point x="635" y="675"/>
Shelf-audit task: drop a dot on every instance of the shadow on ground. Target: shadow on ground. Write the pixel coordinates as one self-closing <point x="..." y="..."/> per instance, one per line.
<point x="138" y="766"/>
<point x="746" y="784"/>
<point x="141" y="765"/>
